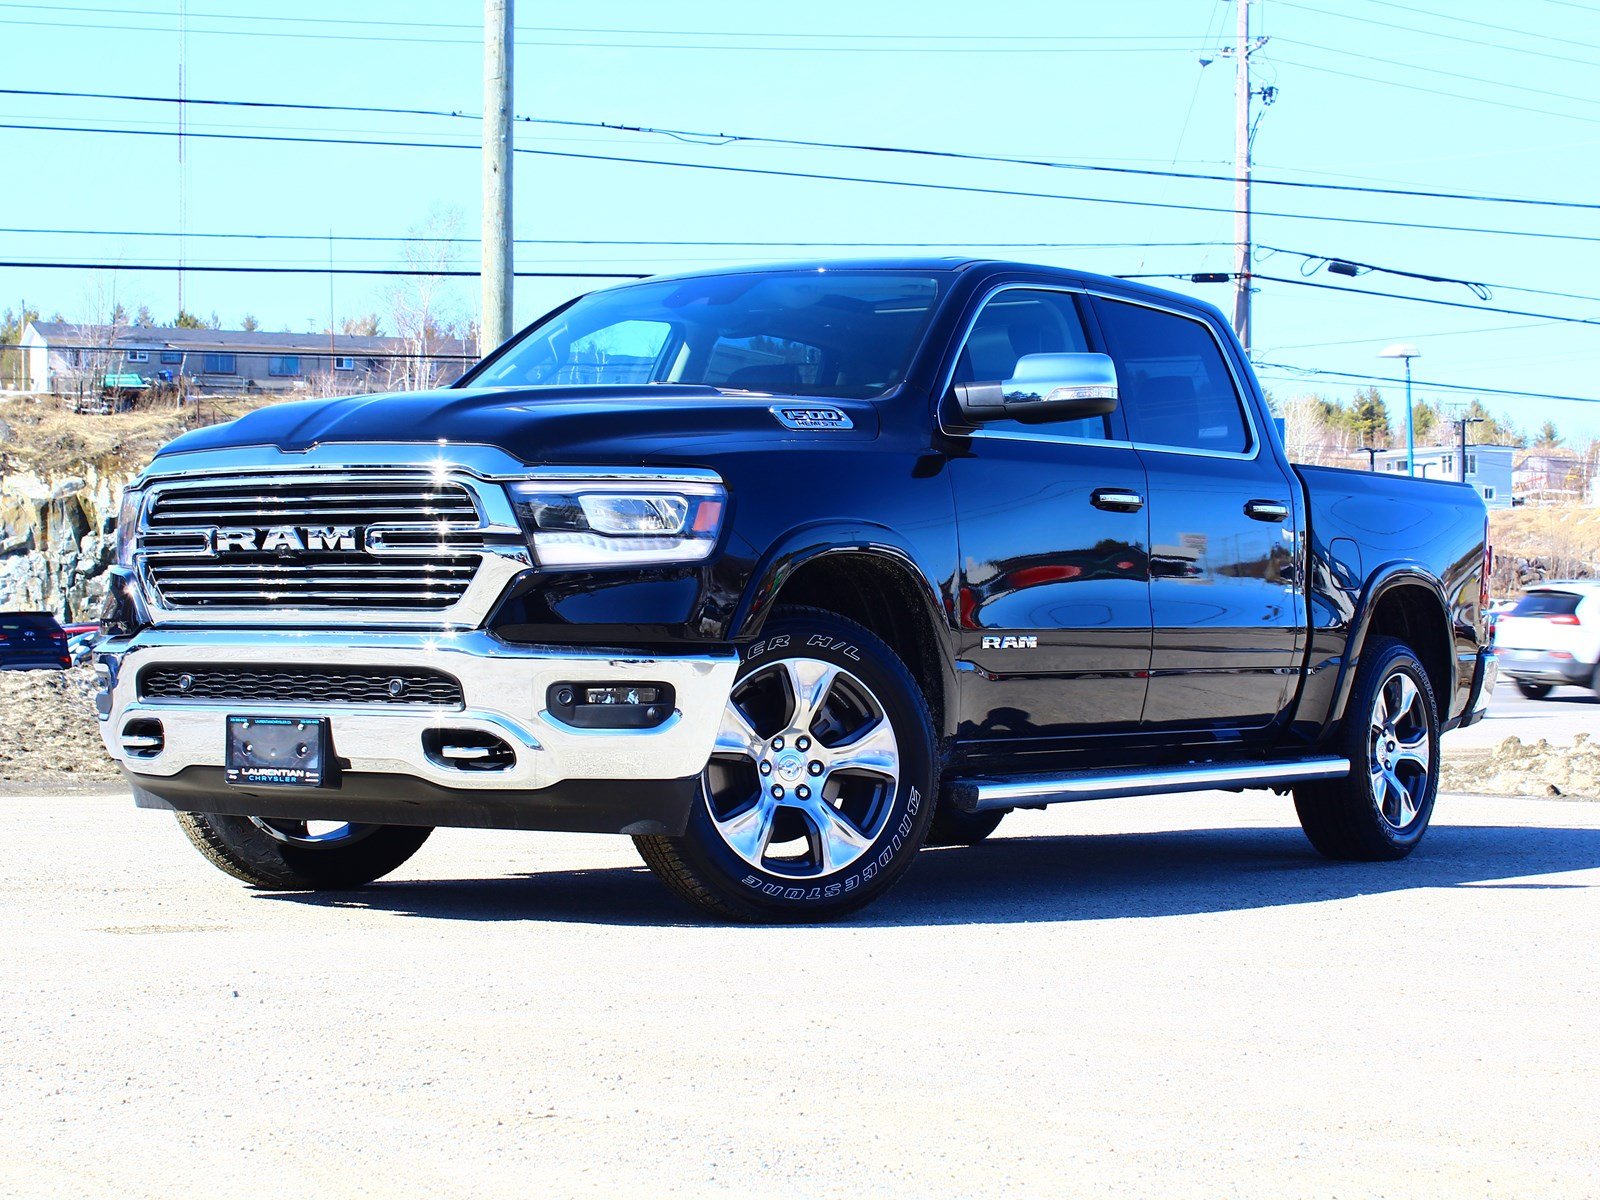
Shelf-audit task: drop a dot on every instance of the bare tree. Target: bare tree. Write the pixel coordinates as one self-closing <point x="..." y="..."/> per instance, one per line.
<point x="427" y="307"/>
<point x="94" y="338"/>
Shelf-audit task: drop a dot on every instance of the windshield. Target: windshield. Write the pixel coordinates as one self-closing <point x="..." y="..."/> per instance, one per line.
<point x="844" y="334"/>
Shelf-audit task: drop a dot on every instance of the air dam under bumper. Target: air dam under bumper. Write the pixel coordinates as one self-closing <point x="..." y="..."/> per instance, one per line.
<point x="562" y="777"/>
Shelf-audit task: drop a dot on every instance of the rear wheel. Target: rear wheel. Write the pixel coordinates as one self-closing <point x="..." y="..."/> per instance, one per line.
<point x="1391" y="737"/>
<point x="820" y="789"/>
<point x="301" y="855"/>
<point x="1534" y="691"/>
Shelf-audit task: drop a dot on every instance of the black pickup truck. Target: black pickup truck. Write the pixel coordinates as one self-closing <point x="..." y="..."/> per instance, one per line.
<point x="786" y="572"/>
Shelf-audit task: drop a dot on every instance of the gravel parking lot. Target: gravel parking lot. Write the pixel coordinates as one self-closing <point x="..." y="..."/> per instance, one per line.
<point x="1143" y="998"/>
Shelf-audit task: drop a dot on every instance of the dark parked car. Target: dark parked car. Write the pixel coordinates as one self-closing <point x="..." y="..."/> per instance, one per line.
<point x="32" y="641"/>
<point x="786" y="573"/>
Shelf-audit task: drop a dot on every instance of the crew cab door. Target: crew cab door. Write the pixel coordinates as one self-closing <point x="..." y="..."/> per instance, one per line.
<point x="1053" y="593"/>
<point x="1227" y="606"/>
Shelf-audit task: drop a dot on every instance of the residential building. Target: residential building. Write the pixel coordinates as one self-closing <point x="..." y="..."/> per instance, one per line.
<point x="72" y="359"/>
<point x="1551" y="476"/>
<point x="1488" y="468"/>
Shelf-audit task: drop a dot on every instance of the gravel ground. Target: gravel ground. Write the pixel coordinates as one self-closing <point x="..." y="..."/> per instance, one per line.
<point x="1160" y="997"/>
<point x="48" y="731"/>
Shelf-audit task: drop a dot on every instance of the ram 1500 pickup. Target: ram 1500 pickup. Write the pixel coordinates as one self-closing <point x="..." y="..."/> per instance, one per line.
<point x="786" y="572"/>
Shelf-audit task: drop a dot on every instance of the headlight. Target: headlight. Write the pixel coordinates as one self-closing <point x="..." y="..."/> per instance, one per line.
<point x="601" y="525"/>
<point x="128" y="524"/>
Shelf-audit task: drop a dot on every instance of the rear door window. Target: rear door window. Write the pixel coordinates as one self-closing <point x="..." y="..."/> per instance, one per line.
<point x="1175" y="385"/>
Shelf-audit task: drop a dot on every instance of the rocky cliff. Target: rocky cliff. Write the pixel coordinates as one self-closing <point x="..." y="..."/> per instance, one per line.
<point x="58" y="537"/>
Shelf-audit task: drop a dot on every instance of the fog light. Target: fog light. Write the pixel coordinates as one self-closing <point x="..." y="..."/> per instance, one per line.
<point x="607" y="705"/>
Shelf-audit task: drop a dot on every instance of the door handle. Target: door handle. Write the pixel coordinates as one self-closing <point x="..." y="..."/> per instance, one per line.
<point x="1274" y="511"/>
<point x="1116" y="500"/>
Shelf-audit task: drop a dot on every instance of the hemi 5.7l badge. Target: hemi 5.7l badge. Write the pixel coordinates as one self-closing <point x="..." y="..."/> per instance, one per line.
<point x="791" y="417"/>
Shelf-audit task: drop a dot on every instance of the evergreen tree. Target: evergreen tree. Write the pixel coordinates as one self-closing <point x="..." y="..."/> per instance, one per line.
<point x="1549" y="435"/>
<point x="249" y="323"/>
<point x="187" y="320"/>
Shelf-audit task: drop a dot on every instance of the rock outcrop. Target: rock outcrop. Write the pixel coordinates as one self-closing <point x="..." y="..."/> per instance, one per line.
<point x="58" y="538"/>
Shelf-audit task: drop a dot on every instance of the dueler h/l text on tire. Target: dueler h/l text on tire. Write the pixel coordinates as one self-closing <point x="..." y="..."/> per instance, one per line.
<point x="823" y="781"/>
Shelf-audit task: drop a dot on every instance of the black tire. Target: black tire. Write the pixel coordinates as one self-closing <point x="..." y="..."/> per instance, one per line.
<point x="1534" y="691"/>
<point x="1348" y="818"/>
<point x="887" y="814"/>
<point x="248" y="851"/>
<point x="952" y="827"/>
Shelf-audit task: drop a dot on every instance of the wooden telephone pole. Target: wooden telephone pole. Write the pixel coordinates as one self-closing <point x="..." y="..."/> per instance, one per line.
<point x="495" y="325"/>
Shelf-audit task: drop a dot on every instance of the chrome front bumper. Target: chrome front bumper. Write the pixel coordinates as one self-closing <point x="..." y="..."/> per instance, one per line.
<point x="503" y="686"/>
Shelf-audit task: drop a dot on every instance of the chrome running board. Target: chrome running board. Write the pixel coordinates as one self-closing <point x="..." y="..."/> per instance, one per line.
<point x="981" y="793"/>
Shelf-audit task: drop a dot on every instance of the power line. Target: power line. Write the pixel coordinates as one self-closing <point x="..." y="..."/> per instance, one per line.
<point x="299" y="20"/>
<point x="745" y="48"/>
<point x="1427" y="384"/>
<point x="1509" y="312"/>
<point x="1528" y="33"/>
<point x="965" y="189"/>
<point x="1451" y="37"/>
<point x="1409" y="66"/>
<point x="238" y="270"/>
<point x="1415" y="87"/>
<point x="1480" y="289"/>
<point x="758" y="243"/>
<point x="722" y="138"/>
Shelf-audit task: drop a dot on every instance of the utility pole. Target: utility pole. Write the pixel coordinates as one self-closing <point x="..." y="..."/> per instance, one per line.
<point x="495" y="325"/>
<point x="1243" y="134"/>
<point x="1241" y="185"/>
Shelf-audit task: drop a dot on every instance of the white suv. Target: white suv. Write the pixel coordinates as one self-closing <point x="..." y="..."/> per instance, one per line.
<point x="1551" y="637"/>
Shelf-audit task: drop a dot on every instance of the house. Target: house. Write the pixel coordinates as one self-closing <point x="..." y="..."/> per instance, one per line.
<point x="1552" y="477"/>
<point x="1487" y="468"/>
<point x="72" y="359"/>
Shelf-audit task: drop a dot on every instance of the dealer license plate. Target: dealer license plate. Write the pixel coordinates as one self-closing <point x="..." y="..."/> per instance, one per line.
<point x="276" y="751"/>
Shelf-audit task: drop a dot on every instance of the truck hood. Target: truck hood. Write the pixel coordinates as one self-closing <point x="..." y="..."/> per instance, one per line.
<point x="594" y="424"/>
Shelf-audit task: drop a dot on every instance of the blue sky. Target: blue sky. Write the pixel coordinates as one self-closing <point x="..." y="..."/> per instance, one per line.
<point x="1359" y="101"/>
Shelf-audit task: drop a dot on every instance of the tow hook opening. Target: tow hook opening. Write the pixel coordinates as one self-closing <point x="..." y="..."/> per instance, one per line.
<point x="143" y="737"/>
<point x="468" y="750"/>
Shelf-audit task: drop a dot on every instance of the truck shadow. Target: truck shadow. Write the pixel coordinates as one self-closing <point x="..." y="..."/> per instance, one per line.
<point x="1078" y="877"/>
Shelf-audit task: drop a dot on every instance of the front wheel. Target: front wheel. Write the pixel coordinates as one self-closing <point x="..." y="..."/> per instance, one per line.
<point x="301" y="855"/>
<point x="1391" y="737"/>
<point x="821" y="785"/>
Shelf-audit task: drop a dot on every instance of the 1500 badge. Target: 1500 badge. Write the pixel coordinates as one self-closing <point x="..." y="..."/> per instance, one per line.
<point x="793" y="417"/>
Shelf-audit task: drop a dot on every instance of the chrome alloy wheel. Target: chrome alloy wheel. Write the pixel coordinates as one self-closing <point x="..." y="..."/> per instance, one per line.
<point x="1400" y="751"/>
<point x="314" y="835"/>
<point x="804" y="773"/>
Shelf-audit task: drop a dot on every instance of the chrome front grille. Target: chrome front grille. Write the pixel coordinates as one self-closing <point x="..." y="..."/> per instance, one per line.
<point x="312" y="686"/>
<point x="393" y="542"/>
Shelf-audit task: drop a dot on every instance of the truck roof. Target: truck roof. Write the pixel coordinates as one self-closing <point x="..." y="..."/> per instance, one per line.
<point x="951" y="264"/>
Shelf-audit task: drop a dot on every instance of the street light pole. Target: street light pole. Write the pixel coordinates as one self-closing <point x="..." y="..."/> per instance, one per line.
<point x="1406" y="352"/>
<point x="1372" y="457"/>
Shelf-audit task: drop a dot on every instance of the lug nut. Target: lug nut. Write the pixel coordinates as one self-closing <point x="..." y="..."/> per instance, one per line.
<point x="802" y="743"/>
<point x="777" y="792"/>
<point x="777" y="743"/>
<point x="766" y="768"/>
<point x="803" y="792"/>
<point x="815" y="768"/>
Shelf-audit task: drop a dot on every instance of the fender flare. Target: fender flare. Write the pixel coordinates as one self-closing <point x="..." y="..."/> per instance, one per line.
<point x="806" y="544"/>
<point x="1386" y="579"/>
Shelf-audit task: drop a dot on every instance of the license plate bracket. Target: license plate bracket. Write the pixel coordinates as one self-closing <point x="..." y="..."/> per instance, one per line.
<point x="276" y="751"/>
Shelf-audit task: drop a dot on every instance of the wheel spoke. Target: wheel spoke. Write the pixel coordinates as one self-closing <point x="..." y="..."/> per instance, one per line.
<point x="749" y="830"/>
<point x="1408" y="697"/>
<point x="838" y="839"/>
<point x="875" y="751"/>
<point x="811" y="680"/>
<point x="1405" y="803"/>
<point x="1415" y="751"/>
<point x="736" y="735"/>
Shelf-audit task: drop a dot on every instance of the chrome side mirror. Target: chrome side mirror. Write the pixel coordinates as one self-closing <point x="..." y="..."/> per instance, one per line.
<point x="1044" y="387"/>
